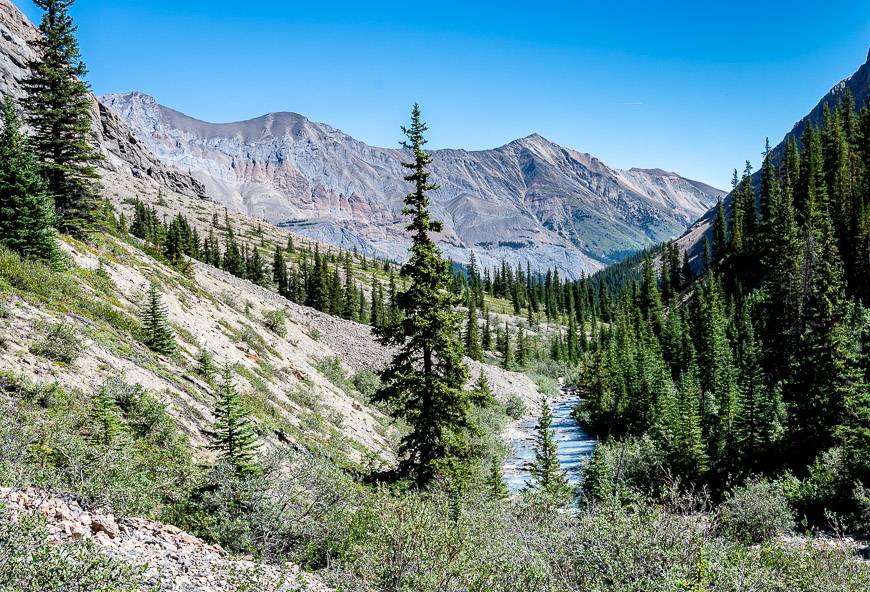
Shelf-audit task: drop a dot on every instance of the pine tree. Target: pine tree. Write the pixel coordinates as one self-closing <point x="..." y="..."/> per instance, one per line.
<point x="26" y="210"/>
<point x="232" y="435"/>
<point x="105" y="419"/>
<point x="424" y="383"/>
<point x="58" y="103"/>
<point x="522" y="353"/>
<point x="205" y="365"/>
<point x="495" y="482"/>
<point x="720" y="235"/>
<point x="279" y="272"/>
<point x="507" y="352"/>
<point x="472" y="332"/>
<point x="691" y="455"/>
<point x="155" y="326"/>
<point x="547" y="475"/>
<point x="482" y="393"/>
<point x="233" y="261"/>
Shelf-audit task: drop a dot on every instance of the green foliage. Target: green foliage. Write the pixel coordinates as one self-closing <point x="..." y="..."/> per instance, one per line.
<point x="28" y="563"/>
<point x="424" y="383"/>
<point x="514" y="406"/>
<point x="757" y="511"/>
<point x="205" y="366"/>
<point x="58" y="103"/>
<point x="232" y="435"/>
<point x="60" y="343"/>
<point x="547" y="476"/>
<point x="276" y="321"/>
<point x="158" y="335"/>
<point x="51" y="438"/>
<point x="26" y="209"/>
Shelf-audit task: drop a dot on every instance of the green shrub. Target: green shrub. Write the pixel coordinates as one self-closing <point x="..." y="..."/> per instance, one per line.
<point x="29" y="563"/>
<point x="60" y="343"/>
<point x="367" y="383"/>
<point x="756" y="512"/>
<point x="332" y="369"/>
<point x="276" y="321"/>
<point x="515" y="407"/>
<point x="148" y="465"/>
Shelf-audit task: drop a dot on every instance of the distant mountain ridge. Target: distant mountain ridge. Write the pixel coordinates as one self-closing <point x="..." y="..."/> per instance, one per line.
<point x="529" y="201"/>
<point x="858" y="84"/>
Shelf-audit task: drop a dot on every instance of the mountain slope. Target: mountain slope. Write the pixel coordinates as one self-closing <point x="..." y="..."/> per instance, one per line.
<point x="127" y="165"/>
<point x="528" y="201"/>
<point x="858" y="84"/>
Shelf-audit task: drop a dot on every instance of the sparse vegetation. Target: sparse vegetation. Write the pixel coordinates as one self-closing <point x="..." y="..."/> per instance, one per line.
<point x="59" y="343"/>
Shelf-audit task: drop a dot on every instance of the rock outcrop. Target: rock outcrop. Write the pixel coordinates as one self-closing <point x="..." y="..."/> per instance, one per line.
<point x="124" y="157"/>
<point x="169" y="557"/>
<point x="530" y="201"/>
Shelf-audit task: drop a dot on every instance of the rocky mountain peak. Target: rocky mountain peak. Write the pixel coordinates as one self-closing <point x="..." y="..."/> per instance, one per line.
<point x="530" y="201"/>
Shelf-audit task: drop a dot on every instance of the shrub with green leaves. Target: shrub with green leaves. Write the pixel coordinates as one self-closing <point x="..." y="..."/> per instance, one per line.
<point x="514" y="406"/>
<point x="757" y="511"/>
<point x="143" y="465"/>
<point x="29" y="563"/>
<point x="60" y="343"/>
<point x="276" y="321"/>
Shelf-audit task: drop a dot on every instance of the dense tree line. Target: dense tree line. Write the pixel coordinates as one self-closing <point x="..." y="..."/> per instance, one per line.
<point x="759" y="366"/>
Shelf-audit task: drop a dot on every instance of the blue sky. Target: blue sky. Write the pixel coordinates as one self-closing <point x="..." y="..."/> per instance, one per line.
<point x="692" y="87"/>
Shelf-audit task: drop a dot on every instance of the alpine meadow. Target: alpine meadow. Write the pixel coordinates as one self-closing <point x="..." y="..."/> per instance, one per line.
<point x="265" y="355"/>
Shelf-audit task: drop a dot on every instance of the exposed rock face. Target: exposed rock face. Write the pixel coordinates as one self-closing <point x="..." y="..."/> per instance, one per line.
<point x="123" y="155"/>
<point x="528" y="201"/>
<point x="171" y="558"/>
<point x="858" y="84"/>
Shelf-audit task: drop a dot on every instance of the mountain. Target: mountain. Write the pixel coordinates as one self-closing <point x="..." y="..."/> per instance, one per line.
<point x="530" y="201"/>
<point x="858" y="84"/>
<point x="128" y="166"/>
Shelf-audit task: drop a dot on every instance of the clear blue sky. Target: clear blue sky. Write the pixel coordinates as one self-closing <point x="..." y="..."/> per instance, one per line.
<point x="692" y="87"/>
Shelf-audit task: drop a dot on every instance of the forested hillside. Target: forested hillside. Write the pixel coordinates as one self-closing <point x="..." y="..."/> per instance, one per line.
<point x="198" y="401"/>
<point x="759" y="366"/>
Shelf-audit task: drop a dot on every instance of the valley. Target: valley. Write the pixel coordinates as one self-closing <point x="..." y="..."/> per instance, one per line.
<point x="265" y="355"/>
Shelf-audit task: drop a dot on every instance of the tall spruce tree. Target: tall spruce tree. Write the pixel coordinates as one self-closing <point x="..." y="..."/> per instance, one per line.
<point x="26" y="209"/>
<point x="473" y="348"/>
<point x="232" y="435"/>
<point x="424" y="383"/>
<point x="58" y="103"/>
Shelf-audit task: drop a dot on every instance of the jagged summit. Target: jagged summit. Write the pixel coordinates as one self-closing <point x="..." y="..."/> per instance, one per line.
<point x="529" y="201"/>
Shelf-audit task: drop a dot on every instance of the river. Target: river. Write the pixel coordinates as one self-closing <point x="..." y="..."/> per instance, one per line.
<point x="573" y="442"/>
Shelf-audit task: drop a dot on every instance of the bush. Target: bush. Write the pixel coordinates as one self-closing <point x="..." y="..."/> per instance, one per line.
<point x="332" y="369"/>
<point x="28" y="563"/>
<point x="60" y="343"/>
<point x="756" y="512"/>
<point x="276" y="321"/>
<point x="147" y="464"/>
<point x="367" y="383"/>
<point x="515" y="407"/>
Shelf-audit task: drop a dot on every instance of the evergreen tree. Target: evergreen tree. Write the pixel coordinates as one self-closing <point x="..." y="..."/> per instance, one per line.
<point x="26" y="210"/>
<point x="507" y="353"/>
<point x="155" y="326"/>
<point x="232" y="435"/>
<point x="720" y="234"/>
<point x="205" y="365"/>
<point x="58" y="103"/>
<point x="472" y="332"/>
<point x="279" y="272"/>
<point x="547" y="475"/>
<point x="105" y="419"/>
<point x="495" y="482"/>
<point x="424" y="383"/>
